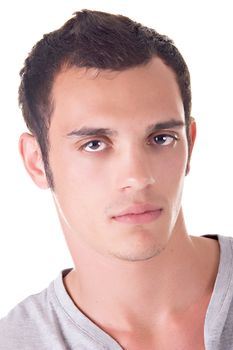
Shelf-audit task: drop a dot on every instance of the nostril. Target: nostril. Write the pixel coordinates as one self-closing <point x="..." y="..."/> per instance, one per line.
<point x="137" y="183"/>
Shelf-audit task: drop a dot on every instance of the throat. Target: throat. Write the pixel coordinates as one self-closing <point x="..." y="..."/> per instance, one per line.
<point x="184" y="330"/>
<point x="146" y="293"/>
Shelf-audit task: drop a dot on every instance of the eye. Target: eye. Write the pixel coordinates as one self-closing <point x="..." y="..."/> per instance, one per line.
<point x="94" y="146"/>
<point x="164" y="139"/>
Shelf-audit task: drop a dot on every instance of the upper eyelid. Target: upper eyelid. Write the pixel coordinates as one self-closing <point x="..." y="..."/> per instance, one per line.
<point x="170" y="133"/>
<point x="87" y="139"/>
<point x="105" y="137"/>
<point x="165" y="131"/>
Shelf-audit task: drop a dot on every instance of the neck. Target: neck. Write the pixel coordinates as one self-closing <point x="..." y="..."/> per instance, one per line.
<point x="144" y="290"/>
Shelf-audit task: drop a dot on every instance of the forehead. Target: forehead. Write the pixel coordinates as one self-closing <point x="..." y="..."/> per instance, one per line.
<point x="151" y="90"/>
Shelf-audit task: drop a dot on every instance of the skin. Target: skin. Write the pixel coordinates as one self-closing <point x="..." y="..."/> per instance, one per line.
<point x="138" y="272"/>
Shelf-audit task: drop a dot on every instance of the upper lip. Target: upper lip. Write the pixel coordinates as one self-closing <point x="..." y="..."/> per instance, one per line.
<point x="138" y="209"/>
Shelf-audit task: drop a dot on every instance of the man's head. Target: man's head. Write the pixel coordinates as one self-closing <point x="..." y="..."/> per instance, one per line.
<point x="91" y="39"/>
<point x="108" y="101"/>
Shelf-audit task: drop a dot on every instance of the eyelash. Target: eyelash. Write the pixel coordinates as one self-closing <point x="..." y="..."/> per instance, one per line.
<point x="174" y="138"/>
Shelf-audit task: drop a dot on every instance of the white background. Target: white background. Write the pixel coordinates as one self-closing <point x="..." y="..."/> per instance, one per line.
<point x="32" y="248"/>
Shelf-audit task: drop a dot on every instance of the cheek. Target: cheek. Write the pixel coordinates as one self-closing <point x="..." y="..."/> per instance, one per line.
<point x="79" y="192"/>
<point x="79" y="181"/>
<point x="172" y="172"/>
<point x="74" y="168"/>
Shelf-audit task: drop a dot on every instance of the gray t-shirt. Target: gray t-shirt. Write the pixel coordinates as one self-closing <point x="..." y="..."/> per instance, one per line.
<point x="50" y="320"/>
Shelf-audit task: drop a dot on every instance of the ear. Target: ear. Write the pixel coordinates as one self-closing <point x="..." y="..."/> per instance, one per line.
<point x="192" y="138"/>
<point x="32" y="158"/>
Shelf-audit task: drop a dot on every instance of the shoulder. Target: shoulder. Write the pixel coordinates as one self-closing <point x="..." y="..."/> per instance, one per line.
<point x="22" y="326"/>
<point x="50" y="320"/>
<point x="219" y="318"/>
<point x="226" y="240"/>
<point x="47" y="320"/>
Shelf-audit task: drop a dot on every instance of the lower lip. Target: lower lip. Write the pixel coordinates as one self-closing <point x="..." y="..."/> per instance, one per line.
<point x="143" y="218"/>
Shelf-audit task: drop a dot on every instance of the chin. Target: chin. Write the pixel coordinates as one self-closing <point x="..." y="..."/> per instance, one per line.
<point x="139" y="253"/>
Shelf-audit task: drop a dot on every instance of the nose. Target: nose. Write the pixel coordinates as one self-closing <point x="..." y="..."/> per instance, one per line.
<point x="135" y="171"/>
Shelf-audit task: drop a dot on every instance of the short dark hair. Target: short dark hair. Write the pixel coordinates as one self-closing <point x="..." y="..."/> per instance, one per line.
<point x="91" y="39"/>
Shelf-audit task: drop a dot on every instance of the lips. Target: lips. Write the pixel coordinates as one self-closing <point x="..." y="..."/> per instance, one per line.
<point x="138" y="214"/>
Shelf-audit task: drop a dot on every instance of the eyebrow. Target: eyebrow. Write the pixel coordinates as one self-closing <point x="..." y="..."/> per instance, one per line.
<point x="88" y="131"/>
<point x="85" y="131"/>
<point x="170" y="124"/>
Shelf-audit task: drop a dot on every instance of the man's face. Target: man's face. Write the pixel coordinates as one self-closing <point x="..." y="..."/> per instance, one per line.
<point x="118" y="155"/>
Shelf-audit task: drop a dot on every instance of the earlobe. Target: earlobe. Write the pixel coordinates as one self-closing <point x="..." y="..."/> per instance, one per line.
<point x="32" y="158"/>
<point x="192" y="138"/>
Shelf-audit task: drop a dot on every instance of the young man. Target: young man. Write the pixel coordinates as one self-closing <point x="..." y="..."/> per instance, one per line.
<point x="107" y="102"/>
